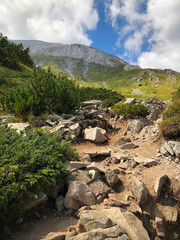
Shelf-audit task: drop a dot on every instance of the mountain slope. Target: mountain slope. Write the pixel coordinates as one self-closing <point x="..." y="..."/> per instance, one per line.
<point x="91" y="67"/>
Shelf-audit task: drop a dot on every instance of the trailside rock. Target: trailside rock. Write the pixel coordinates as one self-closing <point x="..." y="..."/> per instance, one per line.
<point x="96" y="134"/>
<point x="146" y="161"/>
<point x="99" y="188"/>
<point x="78" y="165"/>
<point x="111" y="177"/>
<point x="168" y="148"/>
<point x="159" y="184"/>
<point x="93" y="219"/>
<point x="176" y="147"/>
<point x="139" y="190"/>
<point x="96" y="166"/>
<point x="55" y="236"/>
<point x="76" y="129"/>
<point x="79" y="194"/>
<point x="128" y="222"/>
<point x="31" y="202"/>
<point x="135" y="125"/>
<point x="129" y="146"/>
<point x="100" y="234"/>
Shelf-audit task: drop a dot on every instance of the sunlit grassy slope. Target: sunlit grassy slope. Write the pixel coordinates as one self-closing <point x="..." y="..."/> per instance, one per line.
<point x="153" y="83"/>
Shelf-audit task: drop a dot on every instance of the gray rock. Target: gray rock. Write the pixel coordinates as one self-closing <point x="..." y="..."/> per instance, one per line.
<point x="59" y="204"/>
<point x="78" y="165"/>
<point x="176" y="147"/>
<point x="50" y="123"/>
<point x="139" y="190"/>
<point x="135" y="125"/>
<point x="77" y="175"/>
<point x="130" y="101"/>
<point x="96" y="135"/>
<point x="93" y="102"/>
<point x="159" y="184"/>
<point x="129" y="146"/>
<point x="111" y="178"/>
<point x="100" y="234"/>
<point x="127" y="221"/>
<point x="146" y="161"/>
<point x="168" y="148"/>
<point x="93" y="219"/>
<point x="164" y="151"/>
<point x="99" y="188"/>
<point x="76" y="129"/>
<point x="79" y="194"/>
<point x="31" y="202"/>
<point x="120" y="142"/>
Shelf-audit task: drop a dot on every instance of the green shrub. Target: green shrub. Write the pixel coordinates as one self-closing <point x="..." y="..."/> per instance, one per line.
<point x="131" y="111"/>
<point x="29" y="163"/>
<point x="109" y="97"/>
<point x="170" y="125"/>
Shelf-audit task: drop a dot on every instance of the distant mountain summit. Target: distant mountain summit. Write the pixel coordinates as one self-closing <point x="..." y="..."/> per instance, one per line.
<point x="75" y="51"/>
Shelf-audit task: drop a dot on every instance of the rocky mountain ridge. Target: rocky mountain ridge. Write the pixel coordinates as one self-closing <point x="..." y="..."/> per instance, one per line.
<point x="77" y="51"/>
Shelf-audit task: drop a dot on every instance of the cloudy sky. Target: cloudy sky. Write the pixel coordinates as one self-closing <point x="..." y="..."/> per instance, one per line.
<point x="144" y="32"/>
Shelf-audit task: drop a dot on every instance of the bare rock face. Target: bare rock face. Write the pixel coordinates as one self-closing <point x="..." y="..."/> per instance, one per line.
<point x="79" y="194"/>
<point x="159" y="184"/>
<point x="92" y="219"/>
<point x="139" y="190"/>
<point x="96" y="134"/>
<point x="127" y="221"/>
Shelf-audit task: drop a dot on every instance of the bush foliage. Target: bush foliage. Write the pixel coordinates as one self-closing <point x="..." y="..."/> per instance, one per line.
<point x="27" y="164"/>
<point x="46" y="92"/>
<point x="109" y="97"/>
<point x="131" y="111"/>
<point x="170" y="125"/>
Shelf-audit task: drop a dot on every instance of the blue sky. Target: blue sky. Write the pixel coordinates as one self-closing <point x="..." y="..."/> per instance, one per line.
<point x="144" y="32"/>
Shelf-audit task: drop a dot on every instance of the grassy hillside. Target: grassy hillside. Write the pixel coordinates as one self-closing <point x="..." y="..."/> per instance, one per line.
<point x="153" y="83"/>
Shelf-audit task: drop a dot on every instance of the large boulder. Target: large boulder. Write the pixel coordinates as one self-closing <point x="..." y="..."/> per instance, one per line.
<point x="100" y="234"/>
<point x="79" y="194"/>
<point x="93" y="219"/>
<point x="139" y="190"/>
<point x="128" y="222"/>
<point x="96" y="134"/>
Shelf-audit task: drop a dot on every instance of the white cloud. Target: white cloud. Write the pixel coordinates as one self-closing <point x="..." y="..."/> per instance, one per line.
<point x="158" y="27"/>
<point x="64" y="21"/>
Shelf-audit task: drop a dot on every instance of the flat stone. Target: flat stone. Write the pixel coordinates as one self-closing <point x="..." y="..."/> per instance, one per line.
<point x="159" y="184"/>
<point x="127" y="221"/>
<point x="78" y="165"/>
<point x="130" y="101"/>
<point x="93" y="102"/>
<point x="139" y="190"/>
<point x="31" y="202"/>
<point x="146" y="161"/>
<point x="105" y="152"/>
<point x="95" y="166"/>
<point x="129" y="146"/>
<point x="120" y="142"/>
<point x="91" y="153"/>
